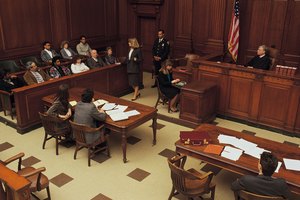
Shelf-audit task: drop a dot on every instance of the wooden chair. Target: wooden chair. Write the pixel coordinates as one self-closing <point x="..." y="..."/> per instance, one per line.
<point x="189" y="183"/>
<point x="10" y="66"/>
<point x="80" y="131"/>
<point x="161" y="97"/>
<point x="7" y="102"/>
<point x="244" y="195"/>
<point x="23" y="61"/>
<point x="38" y="180"/>
<point x="274" y="53"/>
<point x="54" y="128"/>
<point x="185" y="62"/>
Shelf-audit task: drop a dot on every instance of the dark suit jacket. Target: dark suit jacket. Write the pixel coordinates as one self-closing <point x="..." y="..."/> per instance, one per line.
<point x="5" y="86"/>
<point x="262" y="185"/>
<point x="91" y="63"/>
<point x="134" y="62"/>
<point x="161" y="49"/>
<point x="260" y="63"/>
<point x="46" y="57"/>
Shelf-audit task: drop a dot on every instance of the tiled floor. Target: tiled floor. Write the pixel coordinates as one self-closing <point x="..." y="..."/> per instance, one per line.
<point x="146" y="174"/>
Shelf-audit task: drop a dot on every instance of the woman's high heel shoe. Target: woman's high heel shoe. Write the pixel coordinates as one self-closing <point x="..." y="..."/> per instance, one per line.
<point x="138" y="96"/>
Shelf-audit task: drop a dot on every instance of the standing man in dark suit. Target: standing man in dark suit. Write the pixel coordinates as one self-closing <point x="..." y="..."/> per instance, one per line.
<point x="160" y="51"/>
<point x="262" y="59"/>
<point x="264" y="184"/>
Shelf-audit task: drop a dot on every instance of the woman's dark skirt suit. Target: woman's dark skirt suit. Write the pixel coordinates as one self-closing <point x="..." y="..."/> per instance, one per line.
<point x="166" y="86"/>
<point x="133" y="67"/>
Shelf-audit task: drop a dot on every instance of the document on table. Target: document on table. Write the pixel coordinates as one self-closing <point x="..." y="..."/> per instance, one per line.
<point x="132" y="113"/>
<point x="118" y="116"/>
<point x="108" y="106"/>
<point x="292" y="164"/>
<point x="100" y="102"/>
<point x="244" y="144"/>
<point x="121" y="108"/>
<point x="73" y="103"/>
<point x="255" y="152"/>
<point x="231" y="153"/>
<point x="226" y="139"/>
<point x="113" y="112"/>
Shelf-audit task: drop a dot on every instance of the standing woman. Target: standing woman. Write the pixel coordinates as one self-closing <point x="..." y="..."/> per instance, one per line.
<point x="134" y="60"/>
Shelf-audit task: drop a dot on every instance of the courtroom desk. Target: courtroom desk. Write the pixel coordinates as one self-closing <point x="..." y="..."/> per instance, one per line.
<point x="111" y="80"/>
<point x="253" y="95"/>
<point x="246" y="163"/>
<point x="123" y="127"/>
<point x="182" y="73"/>
<point x="18" y="185"/>
<point x="198" y="101"/>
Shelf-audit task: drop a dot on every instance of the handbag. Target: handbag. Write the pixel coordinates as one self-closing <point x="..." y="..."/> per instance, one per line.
<point x="194" y="137"/>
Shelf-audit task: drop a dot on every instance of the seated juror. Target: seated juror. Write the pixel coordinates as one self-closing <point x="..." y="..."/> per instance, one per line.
<point x="34" y="74"/>
<point x="87" y="114"/>
<point x="78" y="66"/>
<point x="94" y="61"/>
<point x="263" y="183"/>
<point x="58" y="70"/>
<point x="9" y="81"/>
<point x="66" y="52"/>
<point x="262" y="59"/>
<point x="109" y="58"/>
<point x="61" y="107"/>
<point x="47" y="53"/>
<point x="83" y="48"/>
<point x="166" y="84"/>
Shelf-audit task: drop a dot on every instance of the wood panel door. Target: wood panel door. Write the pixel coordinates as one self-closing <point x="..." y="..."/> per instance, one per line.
<point x="146" y="35"/>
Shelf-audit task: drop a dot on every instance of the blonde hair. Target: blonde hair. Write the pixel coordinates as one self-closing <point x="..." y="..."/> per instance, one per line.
<point x="134" y="43"/>
<point x="164" y="65"/>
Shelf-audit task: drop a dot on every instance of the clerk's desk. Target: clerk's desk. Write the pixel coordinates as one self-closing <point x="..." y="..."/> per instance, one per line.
<point x="253" y="95"/>
<point x="110" y="80"/>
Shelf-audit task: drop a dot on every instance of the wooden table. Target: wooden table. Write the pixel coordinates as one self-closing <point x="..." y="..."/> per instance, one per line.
<point x="123" y="127"/>
<point x="246" y="164"/>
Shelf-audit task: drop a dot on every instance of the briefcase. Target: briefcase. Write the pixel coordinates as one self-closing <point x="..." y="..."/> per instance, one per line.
<point x="194" y="137"/>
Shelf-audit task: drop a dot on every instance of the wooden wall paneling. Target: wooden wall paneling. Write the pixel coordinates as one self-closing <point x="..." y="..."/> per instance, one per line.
<point x="23" y="28"/>
<point x="123" y="27"/>
<point x="239" y="96"/>
<point x="294" y="109"/>
<point x="183" y="27"/>
<point x="255" y="98"/>
<point x="274" y="104"/>
<point x="291" y="38"/>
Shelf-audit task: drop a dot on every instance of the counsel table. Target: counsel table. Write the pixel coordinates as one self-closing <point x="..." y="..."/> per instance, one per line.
<point x="246" y="164"/>
<point x="147" y="113"/>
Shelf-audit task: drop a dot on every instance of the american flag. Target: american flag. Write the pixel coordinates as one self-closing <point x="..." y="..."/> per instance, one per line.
<point x="234" y="32"/>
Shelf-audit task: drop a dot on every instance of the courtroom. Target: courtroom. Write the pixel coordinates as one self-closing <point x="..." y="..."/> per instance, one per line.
<point x="149" y="99"/>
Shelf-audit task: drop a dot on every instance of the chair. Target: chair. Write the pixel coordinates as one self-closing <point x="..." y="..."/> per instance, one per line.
<point x="186" y="62"/>
<point x="38" y="180"/>
<point x="7" y="102"/>
<point x="23" y="61"/>
<point x="54" y="128"/>
<point x="189" y="183"/>
<point x="10" y="66"/>
<point x="161" y="97"/>
<point x="244" y="195"/>
<point x="273" y="56"/>
<point x="80" y="131"/>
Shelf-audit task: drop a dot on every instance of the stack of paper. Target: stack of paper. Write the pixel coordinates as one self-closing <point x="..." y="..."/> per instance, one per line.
<point x="121" y="108"/>
<point x="231" y="153"/>
<point x="278" y="167"/>
<point x="73" y="103"/>
<point x="100" y="102"/>
<point x="226" y="139"/>
<point x="108" y="106"/>
<point x="132" y="113"/>
<point x="118" y="116"/>
<point x="244" y="144"/>
<point x="292" y="164"/>
<point x="255" y="152"/>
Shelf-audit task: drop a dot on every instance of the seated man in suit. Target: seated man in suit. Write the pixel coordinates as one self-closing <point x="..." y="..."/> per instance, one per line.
<point x="264" y="184"/>
<point x="47" y="53"/>
<point x="9" y="81"/>
<point x="34" y="74"/>
<point x="261" y="60"/>
<point x="83" y="48"/>
<point x="86" y="113"/>
<point x="94" y="61"/>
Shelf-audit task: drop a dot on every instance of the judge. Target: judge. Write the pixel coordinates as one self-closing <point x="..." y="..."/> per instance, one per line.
<point x="261" y="60"/>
